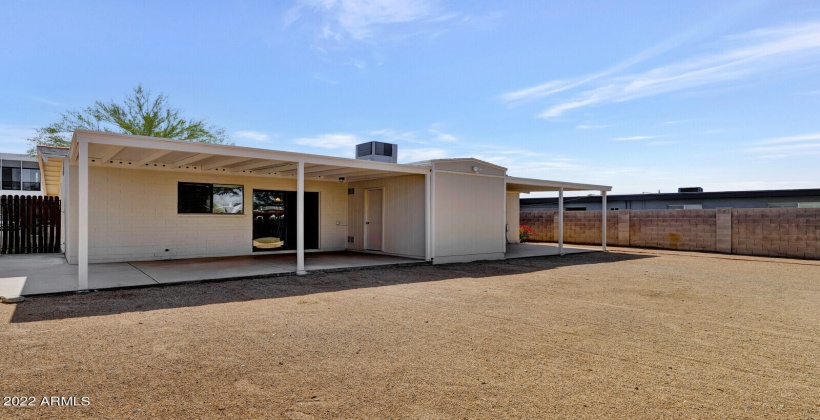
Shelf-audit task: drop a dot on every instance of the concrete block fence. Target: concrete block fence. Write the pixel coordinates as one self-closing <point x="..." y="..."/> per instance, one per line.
<point x="763" y="232"/>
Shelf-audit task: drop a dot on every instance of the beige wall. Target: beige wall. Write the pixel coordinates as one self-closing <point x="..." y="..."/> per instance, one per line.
<point x="469" y="217"/>
<point x="513" y="216"/>
<point x="466" y="166"/>
<point x="133" y="216"/>
<point x="404" y="218"/>
<point x="764" y="232"/>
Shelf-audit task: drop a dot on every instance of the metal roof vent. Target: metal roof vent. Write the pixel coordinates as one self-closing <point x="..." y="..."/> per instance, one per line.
<point x="690" y="189"/>
<point x="377" y="151"/>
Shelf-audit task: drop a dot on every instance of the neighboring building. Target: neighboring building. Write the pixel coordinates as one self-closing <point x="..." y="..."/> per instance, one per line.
<point x="128" y="198"/>
<point x="20" y="175"/>
<point x="695" y="198"/>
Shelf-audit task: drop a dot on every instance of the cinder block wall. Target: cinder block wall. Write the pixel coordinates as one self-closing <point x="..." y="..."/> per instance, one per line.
<point x="763" y="232"/>
<point x="776" y="232"/>
<point x="580" y="227"/>
<point x="691" y="230"/>
<point x="542" y="223"/>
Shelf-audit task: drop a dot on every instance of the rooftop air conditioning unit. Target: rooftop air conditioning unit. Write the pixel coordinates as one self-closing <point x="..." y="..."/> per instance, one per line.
<point x="690" y="189"/>
<point x="377" y="151"/>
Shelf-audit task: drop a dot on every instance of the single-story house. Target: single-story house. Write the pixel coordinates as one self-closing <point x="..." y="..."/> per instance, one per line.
<point x="130" y="198"/>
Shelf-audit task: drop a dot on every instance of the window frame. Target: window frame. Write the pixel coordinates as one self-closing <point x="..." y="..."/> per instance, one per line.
<point x="212" y="200"/>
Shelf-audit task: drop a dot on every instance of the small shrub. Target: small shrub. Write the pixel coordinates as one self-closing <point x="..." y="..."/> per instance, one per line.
<point x="524" y="232"/>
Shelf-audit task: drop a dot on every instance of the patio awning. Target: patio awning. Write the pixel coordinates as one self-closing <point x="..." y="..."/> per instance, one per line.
<point x="528" y="185"/>
<point x="140" y="152"/>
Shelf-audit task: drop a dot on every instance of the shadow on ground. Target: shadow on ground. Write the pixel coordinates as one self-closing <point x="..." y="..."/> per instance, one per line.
<point x="44" y="308"/>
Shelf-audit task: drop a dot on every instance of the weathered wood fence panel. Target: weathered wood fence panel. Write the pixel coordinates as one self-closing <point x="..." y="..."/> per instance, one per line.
<point x="29" y="225"/>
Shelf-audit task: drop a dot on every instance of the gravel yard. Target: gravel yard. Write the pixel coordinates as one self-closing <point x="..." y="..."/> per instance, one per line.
<point x="630" y="333"/>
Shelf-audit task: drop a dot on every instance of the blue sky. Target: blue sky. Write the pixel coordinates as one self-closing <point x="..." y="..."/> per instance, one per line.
<point x="640" y="95"/>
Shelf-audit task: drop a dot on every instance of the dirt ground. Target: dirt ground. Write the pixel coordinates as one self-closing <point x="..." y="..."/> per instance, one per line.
<point x="627" y="334"/>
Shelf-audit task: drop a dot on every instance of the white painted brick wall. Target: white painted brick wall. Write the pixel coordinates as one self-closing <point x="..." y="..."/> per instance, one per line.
<point x="133" y="216"/>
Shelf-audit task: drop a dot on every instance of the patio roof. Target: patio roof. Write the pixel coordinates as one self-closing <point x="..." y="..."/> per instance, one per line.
<point x="528" y="185"/>
<point x="129" y="151"/>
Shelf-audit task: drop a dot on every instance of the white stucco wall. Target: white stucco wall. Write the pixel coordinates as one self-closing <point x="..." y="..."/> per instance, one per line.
<point x="133" y="216"/>
<point x="404" y="218"/>
<point x="469" y="217"/>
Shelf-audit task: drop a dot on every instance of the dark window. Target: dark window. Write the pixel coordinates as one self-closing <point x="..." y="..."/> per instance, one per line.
<point x="274" y="220"/>
<point x="11" y="178"/>
<point x="31" y="179"/>
<point x="209" y="198"/>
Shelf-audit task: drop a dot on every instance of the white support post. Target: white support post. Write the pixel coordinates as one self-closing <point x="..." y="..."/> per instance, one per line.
<point x="428" y="228"/>
<point x="504" y="217"/>
<point x="433" y="214"/>
<point x="82" y="251"/>
<point x="603" y="220"/>
<point x="561" y="221"/>
<point x="300" y="218"/>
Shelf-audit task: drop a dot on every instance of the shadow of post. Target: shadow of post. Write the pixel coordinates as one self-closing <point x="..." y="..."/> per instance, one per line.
<point x="45" y="308"/>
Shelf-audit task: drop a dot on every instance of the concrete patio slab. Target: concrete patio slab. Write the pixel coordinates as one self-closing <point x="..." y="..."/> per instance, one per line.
<point x="529" y="249"/>
<point x="34" y="274"/>
<point x="11" y="287"/>
<point x="199" y="269"/>
<point x="50" y="273"/>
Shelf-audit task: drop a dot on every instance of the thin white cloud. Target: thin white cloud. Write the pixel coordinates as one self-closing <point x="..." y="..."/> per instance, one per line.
<point x="792" y="139"/>
<point x="520" y="97"/>
<point x="529" y="94"/>
<point x="252" y="135"/>
<point x="765" y="50"/>
<point x="13" y="138"/>
<point x="634" y="138"/>
<point x="394" y="136"/>
<point x="787" y="146"/>
<point x="330" y="141"/>
<point x="589" y="126"/>
<point x="361" y="19"/>
<point x="48" y="102"/>
<point x="437" y="130"/>
<point x="417" y="155"/>
<point x="783" y="148"/>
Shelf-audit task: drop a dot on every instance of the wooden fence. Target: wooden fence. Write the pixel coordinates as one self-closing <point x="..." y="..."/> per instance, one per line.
<point x="29" y="225"/>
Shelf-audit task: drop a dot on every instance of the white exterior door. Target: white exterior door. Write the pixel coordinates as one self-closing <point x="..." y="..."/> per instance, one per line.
<point x="373" y="219"/>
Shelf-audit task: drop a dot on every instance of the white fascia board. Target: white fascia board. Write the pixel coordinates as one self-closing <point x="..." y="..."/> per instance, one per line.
<point x="479" y="161"/>
<point x="255" y="165"/>
<point x="224" y="162"/>
<point x="539" y="184"/>
<point x="144" y="142"/>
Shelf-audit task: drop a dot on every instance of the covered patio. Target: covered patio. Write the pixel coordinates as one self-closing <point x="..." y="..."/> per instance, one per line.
<point x="517" y="186"/>
<point x="37" y="274"/>
<point x="111" y="151"/>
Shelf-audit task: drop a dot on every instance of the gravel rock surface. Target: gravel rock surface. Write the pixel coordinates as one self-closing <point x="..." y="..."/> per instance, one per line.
<point x="626" y="334"/>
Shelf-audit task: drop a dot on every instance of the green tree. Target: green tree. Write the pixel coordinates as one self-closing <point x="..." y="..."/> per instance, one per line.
<point x="139" y="114"/>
